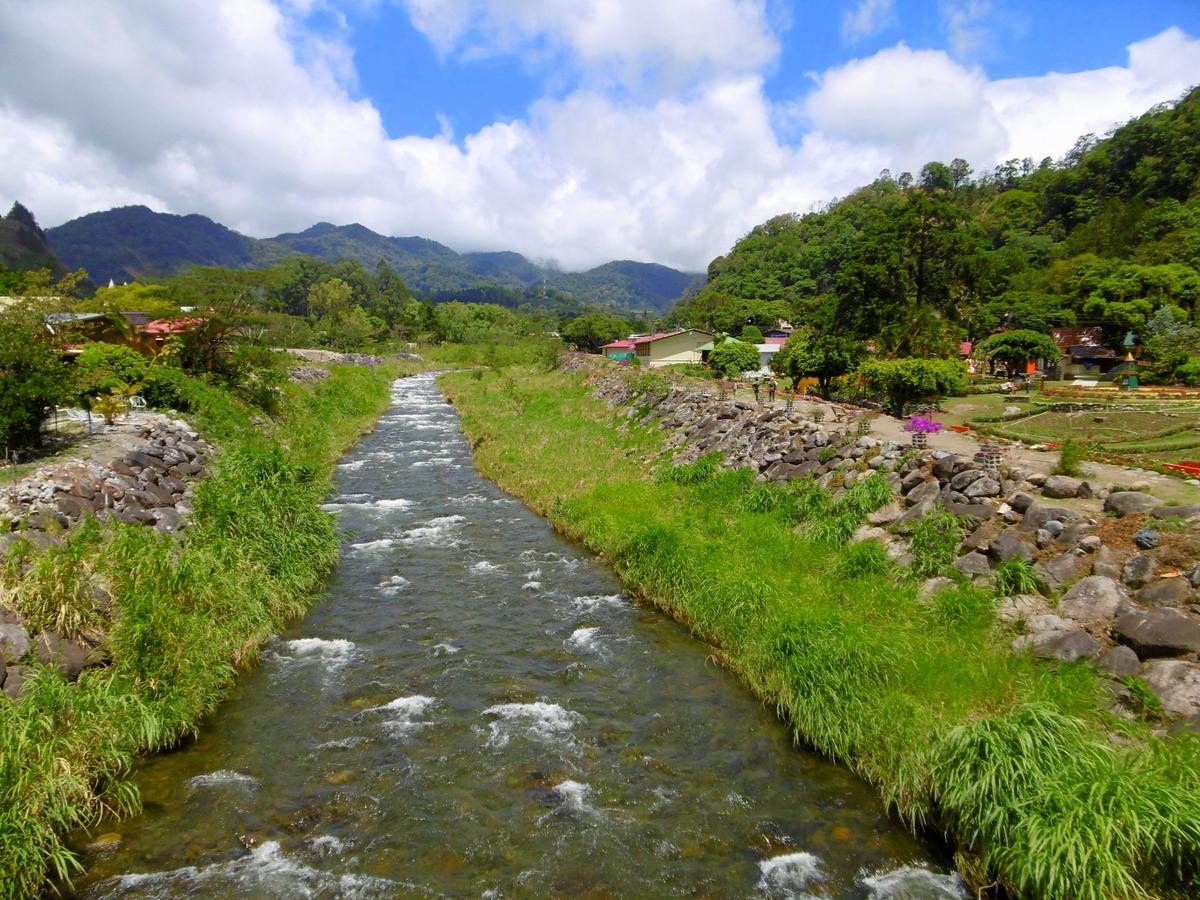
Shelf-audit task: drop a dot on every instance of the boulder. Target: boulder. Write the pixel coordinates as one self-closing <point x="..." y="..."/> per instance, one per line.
<point x="1138" y="570"/>
<point x="1125" y="503"/>
<point x="1119" y="661"/>
<point x="1067" y="646"/>
<point x="1175" y="683"/>
<point x="987" y="486"/>
<point x="934" y="586"/>
<point x="1059" y="487"/>
<point x="1091" y="543"/>
<point x="1146" y="538"/>
<point x="1091" y="599"/>
<point x="1020" y="501"/>
<point x="963" y="479"/>
<point x="1108" y="562"/>
<point x="1038" y="514"/>
<point x="1166" y="592"/>
<point x="1061" y="569"/>
<point x="14" y="679"/>
<point x="1158" y="632"/>
<point x="927" y="490"/>
<point x="885" y="515"/>
<point x="912" y="515"/>
<point x="973" y="564"/>
<point x="70" y="657"/>
<point x="14" y="642"/>
<point x="1021" y="608"/>
<point x="1007" y="545"/>
<point x="1190" y="511"/>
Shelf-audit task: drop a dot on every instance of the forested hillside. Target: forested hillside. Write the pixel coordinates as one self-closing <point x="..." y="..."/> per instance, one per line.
<point x="1106" y="236"/>
<point x="23" y="246"/>
<point x="134" y="242"/>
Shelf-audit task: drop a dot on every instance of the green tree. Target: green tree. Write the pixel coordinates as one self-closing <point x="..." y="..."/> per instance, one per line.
<point x="904" y="381"/>
<point x="591" y="331"/>
<point x="101" y="368"/>
<point x="733" y="357"/>
<point x="822" y="356"/>
<point x="752" y="334"/>
<point x="328" y="298"/>
<point x="1016" y="348"/>
<point x="33" y="379"/>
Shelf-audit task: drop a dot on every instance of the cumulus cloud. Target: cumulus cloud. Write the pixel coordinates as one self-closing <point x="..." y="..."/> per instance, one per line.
<point x="868" y="17"/>
<point x="964" y="23"/>
<point x="228" y="110"/>
<point x="630" y="41"/>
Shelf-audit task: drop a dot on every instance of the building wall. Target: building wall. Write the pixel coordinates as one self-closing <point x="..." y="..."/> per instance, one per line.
<point x="675" y="349"/>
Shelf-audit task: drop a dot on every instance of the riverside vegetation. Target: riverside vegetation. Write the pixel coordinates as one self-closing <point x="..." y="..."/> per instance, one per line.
<point x="182" y="614"/>
<point x="1042" y="791"/>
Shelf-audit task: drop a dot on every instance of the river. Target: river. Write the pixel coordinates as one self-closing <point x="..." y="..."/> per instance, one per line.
<point x="474" y="708"/>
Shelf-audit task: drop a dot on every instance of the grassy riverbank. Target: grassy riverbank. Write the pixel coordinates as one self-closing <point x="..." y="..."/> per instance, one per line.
<point x="1013" y="759"/>
<point x="182" y="616"/>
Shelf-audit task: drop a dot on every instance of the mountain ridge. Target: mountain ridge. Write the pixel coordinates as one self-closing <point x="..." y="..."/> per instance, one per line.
<point x="133" y="242"/>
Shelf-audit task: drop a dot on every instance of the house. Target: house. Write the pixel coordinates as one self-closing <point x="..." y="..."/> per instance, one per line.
<point x="156" y="333"/>
<point x="618" y="350"/>
<point x="670" y="348"/>
<point x="766" y="351"/>
<point x="1084" y="352"/>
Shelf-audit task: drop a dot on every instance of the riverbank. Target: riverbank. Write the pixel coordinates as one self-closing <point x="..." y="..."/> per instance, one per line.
<point x="180" y="615"/>
<point x="1044" y="792"/>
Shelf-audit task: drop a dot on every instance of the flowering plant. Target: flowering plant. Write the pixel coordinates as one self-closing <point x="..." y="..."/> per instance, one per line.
<point x="921" y="425"/>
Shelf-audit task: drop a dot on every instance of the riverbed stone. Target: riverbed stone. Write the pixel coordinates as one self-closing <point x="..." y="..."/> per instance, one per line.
<point x="1061" y="569"/>
<point x="1138" y="570"/>
<point x="1020" y="501"/>
<point x="1021" y="608"/>
<point x="1008" y="545"/>
<point x="964" y="479"/>
<point x="1066" y="645"/>
<point x="1108" y="562"/>
<point x="1146" y="538"/>
<point x="52" y="649"/>
<point x="1038" y="514"/>
<point x="926" y="490"/>
<point x="1175" y="682"/>
<point x="982" y="488"/>
<point x="1059" y="487"/>
<point x="1158" y="632"/>
<point x="1166" y="592"/>
<point x="1188" y="511"/>
<point x="1125" y="503"/>
<point x="14" y="642"/>
<point x="931" y="587"/>
<point x="1119" y="661"/>
<point x="973" y="564"/>
<point x="1093" y="598"/>
<point x="885" y="515"/>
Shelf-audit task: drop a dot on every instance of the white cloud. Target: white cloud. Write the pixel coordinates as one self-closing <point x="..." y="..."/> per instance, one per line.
<point x="867" y="18"/>
<point x="630" y="41"/>
<point x="191" y="107"/>
<point x="963" y="21"/>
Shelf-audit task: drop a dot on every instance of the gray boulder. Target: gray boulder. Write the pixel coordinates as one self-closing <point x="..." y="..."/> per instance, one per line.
<point x="1060" y="487"/>
<point x="1067" y="646"/>
<point x="987" y="486"/>
<point x="1146" y="538"/>
<point x="70" y="657"/>
<point x="14" y="679"/>
<point x="1091" y="599"/>
<point x="1020" y="501"/>
<point x="1138" y="570"/>
<point x="1061" y="569"/>
<point x="1021" y="608"/>
<point x="931" y="587"/>
<point x="927" y="490"/>
<point x="1175" y="683"/>
<point x="14" y="642"/>
<point x="1190" y="511"/>
<point x="973" y="564"/>
<point x="1007" y="545"/>
<point x="1166" y="592"/>
<point x="963" y="479"/>
<point x="1119" y="661"/>
<point x="1038" y="514"/>
<point x="1158" y="632"/>
<point x="1125" y="503"/>
<point x="1108" y="562"/>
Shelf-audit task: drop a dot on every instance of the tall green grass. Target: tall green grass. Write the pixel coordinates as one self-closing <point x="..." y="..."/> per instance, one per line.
<point x="1012" y="758"/>
<point x="183" y="618"/>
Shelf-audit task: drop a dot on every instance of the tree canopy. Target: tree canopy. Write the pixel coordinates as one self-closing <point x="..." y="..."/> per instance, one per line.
<point x="1016" y="348"/>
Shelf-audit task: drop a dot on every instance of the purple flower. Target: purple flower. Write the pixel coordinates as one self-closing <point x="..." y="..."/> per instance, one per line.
<point x="921" y="425"/>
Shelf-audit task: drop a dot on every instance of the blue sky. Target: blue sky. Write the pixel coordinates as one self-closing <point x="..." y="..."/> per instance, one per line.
<point x="573" y="131"/>
<point x="413" y="86"/>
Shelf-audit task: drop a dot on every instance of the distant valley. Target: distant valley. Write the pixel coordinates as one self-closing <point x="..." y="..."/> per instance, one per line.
<point x="135" y="242"/>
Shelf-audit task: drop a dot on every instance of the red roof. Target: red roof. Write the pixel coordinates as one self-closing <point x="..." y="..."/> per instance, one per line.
<point x="1066" y="338"/>
<point x="775" y="340"/>
<point x="964" y="348"/>
<point x="623" y="344"/>
<point x="172" y="326"/>
<point x="658" y="335"/>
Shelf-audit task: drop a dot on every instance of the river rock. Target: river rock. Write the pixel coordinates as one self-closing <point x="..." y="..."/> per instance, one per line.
<point x="1091" y="599"/>
<point x="1175" y="682"/>
<point x="987" y="486"/>
<point x="14" y="642"/>
<point x="1007" y="545"/>
<point x="1125" y="503"/>
<point x="14" y="679"/>
<point x="1065" y="645"/>
<point x="1166" y="592"/>
<point x="1119" y="661"/>
<point x="927" y="490"/>
<point x="1061" y="569"/>
<point x="1021" y="608"/>
<point x="1190" y="511"/>
<point x="931" y="587"/>
<point x="1158" y="632"/>
<point x="53" y="649"/>
<point x="1059" y="487"/>
<point x="885" y="515"/>
<point x="1138" y="570"/>
<point x="1146" y="538"/>
<point x="1108" y="562"/>
<point x="973" y="564"/>
<point x="1020" y="501"/>
<point x="1038" y="514"/>
<point x="963" y="479"/>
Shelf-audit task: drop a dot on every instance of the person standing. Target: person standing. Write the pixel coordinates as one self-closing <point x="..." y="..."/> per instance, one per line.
<point x="772" y="385"/>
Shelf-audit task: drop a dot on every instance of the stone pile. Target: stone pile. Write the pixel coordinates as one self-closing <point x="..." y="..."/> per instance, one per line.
<point x="148" y="485"/>
<point x="1117" y="566"/>
<point x="18" y="651"/>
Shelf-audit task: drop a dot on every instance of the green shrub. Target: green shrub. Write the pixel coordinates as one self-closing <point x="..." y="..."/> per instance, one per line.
<point x="101" y="368"/>
<point x="1015" y="576"/>
<point x="934" y="541"/>
<point x="33" y="379"/>
<point x="1070" y="459"/>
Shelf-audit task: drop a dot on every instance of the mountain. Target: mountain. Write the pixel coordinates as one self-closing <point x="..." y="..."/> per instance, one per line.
<point x="1108" y="236"/>
<point x="135" y="242"/>
<point x="23" y="244"/>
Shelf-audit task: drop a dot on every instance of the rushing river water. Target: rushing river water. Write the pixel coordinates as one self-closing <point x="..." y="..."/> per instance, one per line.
<point x="475" y="709"/>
